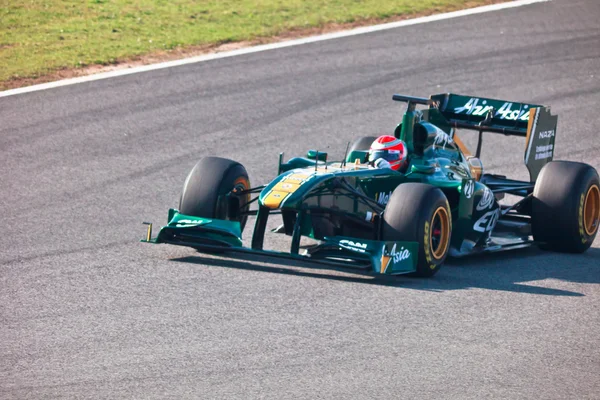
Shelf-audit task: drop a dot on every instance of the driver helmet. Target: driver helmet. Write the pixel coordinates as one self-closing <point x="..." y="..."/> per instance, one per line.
<point x="390" y="149"/>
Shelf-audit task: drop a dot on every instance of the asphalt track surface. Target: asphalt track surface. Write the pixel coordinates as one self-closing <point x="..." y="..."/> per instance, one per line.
<point x="88" y="312"/>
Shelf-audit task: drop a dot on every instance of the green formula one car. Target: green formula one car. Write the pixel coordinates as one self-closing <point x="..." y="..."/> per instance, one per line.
<point x="385" y="221"/>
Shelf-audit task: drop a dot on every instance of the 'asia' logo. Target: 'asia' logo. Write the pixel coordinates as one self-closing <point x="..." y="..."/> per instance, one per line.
<point x="394" y="255"/>
<point x="480" y="107"/>
<point x="401" y="255"/>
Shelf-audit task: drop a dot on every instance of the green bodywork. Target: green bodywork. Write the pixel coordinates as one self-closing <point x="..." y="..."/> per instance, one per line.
<point x="341" y="203"/>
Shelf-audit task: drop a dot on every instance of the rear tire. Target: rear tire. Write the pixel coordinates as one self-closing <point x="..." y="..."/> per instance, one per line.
<point x="566" y="207"/>
<point x="417" y="212"/>
<point x="207" y="184"/>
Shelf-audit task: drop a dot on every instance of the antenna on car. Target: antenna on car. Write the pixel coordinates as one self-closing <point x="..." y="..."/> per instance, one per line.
<point x="345" y="155"/>
<point x="316" y="160"/>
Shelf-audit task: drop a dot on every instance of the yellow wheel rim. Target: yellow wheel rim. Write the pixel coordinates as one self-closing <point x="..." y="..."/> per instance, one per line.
<point x="591" y="210"/>
<point x="439" y="236"/>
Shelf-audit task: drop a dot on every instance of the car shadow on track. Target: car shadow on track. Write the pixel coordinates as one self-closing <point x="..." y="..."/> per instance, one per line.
<point x="508" y="271"/>
<point x="289" y="267"/>
<point x="513" y="270"/>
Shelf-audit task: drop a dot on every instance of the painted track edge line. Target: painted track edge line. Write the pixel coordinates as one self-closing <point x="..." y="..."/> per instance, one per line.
<point x="270" y="46"/>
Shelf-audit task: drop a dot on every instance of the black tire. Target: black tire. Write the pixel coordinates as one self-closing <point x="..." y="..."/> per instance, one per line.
<point x="207" y="183"/>
<point x="363" y="143"/>
<point x="414" y="213"/>
<point x="566" y="207"/>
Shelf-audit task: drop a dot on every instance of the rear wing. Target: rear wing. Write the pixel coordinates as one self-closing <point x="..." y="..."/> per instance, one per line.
<point x="534" y="122"/>
<point x="507" y="117"/>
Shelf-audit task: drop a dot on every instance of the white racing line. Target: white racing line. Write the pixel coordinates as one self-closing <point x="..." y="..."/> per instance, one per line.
<point x="271" y="46"/>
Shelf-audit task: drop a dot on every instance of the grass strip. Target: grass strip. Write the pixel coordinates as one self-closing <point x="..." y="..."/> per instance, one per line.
<point x="40" y="37"/>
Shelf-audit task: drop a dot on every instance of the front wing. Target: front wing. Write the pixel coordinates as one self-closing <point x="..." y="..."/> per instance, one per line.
<point x="370" y="256"/>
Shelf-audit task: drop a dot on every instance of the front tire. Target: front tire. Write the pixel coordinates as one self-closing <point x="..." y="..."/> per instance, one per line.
<point x="417" y="212"/>
<point x="566" y="207"/>
<point x="207" y="184"/>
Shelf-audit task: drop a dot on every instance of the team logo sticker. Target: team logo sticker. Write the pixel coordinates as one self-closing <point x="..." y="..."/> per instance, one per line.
<point x="486" y="201"/>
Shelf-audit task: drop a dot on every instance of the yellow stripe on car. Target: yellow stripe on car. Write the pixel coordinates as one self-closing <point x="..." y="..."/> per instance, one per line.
<point x="284" y="188"/>
<point x="274" y="198"/>
<point x="300" y="178"/>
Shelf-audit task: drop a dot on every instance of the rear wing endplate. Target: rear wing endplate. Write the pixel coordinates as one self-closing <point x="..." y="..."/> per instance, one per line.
<point x="539" y="145"/>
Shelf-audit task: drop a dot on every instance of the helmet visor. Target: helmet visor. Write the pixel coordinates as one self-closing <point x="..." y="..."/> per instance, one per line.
<point x="388" y="155"/>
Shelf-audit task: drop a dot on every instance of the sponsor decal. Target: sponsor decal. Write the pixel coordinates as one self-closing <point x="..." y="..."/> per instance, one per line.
<point x="580" y="218"/>
<point x="543" y="152"/>
<point x="400" y="255"/>
<point x="486" y="201"/>
<point x="442" y="139"/>
<point x="458" y="169"/>
<point x="354" y="246"/>
<point x="468" y="189"/>
<point x="298" y="177"/>
<point x="507" y="112"/>
<point x="394" y="255"/>
<point x="546" y="134"/>
<point x="474" y="107"/>
<point x="480" y="107"/>
<point x="488" y="221"/>
<point x="187" y="222"/>
<point x="383" y="197"/>
<point x="426" y="248"/>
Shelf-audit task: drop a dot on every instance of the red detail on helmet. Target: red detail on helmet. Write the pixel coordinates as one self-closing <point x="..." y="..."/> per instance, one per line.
<point x="391" y="149"/>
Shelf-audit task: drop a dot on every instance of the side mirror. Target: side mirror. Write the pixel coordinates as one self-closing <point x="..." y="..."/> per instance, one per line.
<point x="476" y="167"/>
<point x="316" y="155"/>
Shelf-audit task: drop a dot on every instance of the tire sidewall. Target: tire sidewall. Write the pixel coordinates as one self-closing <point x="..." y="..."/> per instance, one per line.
<point x="427" y="263"/>
<point x="557" y="212"/>
<point x="589" y="180"/>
